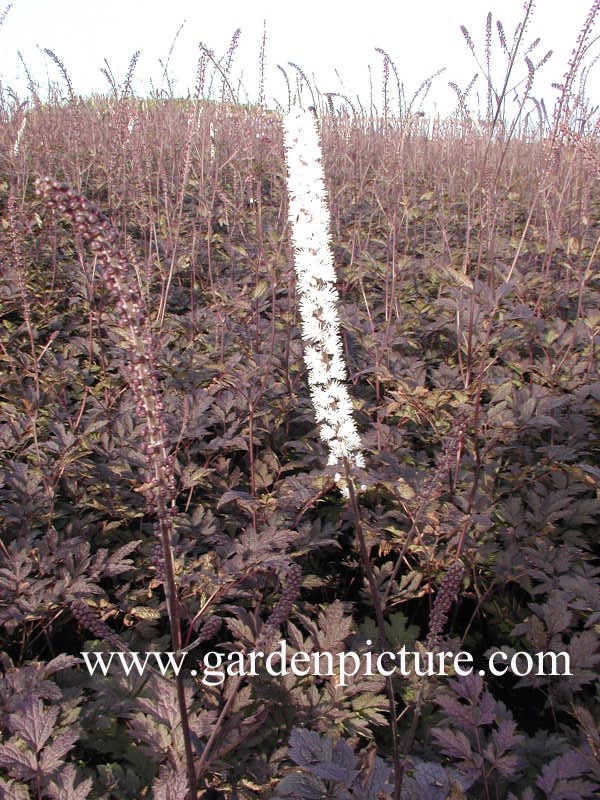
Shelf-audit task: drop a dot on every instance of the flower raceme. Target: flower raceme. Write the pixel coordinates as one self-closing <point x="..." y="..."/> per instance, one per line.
<point x="112" y="263"/>
<point x="318" y="296"/>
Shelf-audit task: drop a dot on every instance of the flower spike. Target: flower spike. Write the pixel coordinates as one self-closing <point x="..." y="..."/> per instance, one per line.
<point x="315" y="279"/>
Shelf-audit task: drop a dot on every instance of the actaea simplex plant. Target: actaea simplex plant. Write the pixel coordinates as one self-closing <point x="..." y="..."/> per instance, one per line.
<point x="112" y="263"/>
<point x="315" y="279"/>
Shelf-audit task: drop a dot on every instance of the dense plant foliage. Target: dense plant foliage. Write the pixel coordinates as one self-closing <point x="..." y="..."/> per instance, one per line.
<point x="467" y="272"/>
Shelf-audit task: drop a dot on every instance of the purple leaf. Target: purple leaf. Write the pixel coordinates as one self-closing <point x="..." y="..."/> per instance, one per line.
<point x="18" y="763"/>
<point x="453" y="744"/>
<point x="33" y="723"/>
<point x="63" y="787"/>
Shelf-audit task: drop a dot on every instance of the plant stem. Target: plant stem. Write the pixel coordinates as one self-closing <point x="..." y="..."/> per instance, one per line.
<point x="381" y="638"/>
<point x="165" y="526"/>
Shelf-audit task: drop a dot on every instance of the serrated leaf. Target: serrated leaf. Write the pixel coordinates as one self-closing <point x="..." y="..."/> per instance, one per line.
<point x="10" y="790"/>
<point x="18" y="762"/>
<point x="64" y="788"/>
<point x="307" y="747"/>
<point x="53" y="754"/>
<point x="34" y="723"/>
<point x="453" y="743"/>
<point x="301" y="786"/>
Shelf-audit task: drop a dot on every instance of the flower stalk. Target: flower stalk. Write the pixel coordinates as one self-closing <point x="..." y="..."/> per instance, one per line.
<point x="160" y="489"/>
<point x="315" y="280"/>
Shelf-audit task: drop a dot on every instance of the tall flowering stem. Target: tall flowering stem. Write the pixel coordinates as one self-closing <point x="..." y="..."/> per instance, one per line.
<point x="160" y="489"/>
<point x="315" y="280"/>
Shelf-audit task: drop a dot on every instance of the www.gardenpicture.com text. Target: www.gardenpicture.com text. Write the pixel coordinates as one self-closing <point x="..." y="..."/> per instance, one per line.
<point x="215" y="666"/>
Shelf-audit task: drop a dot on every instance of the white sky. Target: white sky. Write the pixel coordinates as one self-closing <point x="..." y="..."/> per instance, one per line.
<point x="318" y="35"/>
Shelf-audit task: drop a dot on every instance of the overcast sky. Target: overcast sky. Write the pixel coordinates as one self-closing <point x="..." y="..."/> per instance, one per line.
<point x="319" y="35"/>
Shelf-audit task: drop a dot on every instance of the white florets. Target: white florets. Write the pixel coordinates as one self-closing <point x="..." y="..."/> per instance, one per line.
<point x="315" y="278"/>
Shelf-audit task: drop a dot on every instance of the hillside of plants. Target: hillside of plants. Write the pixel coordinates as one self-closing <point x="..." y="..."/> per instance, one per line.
<point x="164" y="486"/>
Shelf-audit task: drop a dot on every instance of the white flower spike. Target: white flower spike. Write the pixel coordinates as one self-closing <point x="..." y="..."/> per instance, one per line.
<point x="315" y="280"/>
